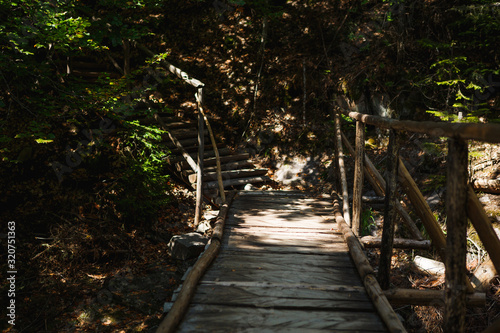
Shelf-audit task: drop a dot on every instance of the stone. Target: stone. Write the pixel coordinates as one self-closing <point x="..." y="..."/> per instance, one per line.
<point x="203" y="227"/>
<point x="187" y="246"/>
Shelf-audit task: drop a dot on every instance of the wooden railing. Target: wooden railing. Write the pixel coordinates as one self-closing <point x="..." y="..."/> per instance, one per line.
<point x="461" y="203"/>
<point x="197" y="167"/>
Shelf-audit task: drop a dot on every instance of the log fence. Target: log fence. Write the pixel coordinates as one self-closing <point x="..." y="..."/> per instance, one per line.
<point x="461" y="204"/>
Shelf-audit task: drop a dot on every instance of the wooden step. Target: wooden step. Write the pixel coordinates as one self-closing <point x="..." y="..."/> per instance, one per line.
<point x="236" y="182"/>
<point x="230" y="174"/>
<point x="193" y="149"/>
<point x="180" y="159"/>
<point x="172" y="122"/>
<point x="231" y="165"/>
<point x="186" y="143"/>
<point x="186" y="133"/>
<point x="211" y="161"/>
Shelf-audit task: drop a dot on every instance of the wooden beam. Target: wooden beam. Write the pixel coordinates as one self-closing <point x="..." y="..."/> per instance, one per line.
<point x="366" y="272"/>
<point x="428" y="297"/>
<point x="399" y="243"/>
<point x="199" y="171"/>
<point x="456" y="240"/>
<point x="357" y="192"/>
<point x="483" y="227"/>
<point x="384" y="271"/>
<point x="465" y="131"/>
<point x="423" y="210"/>
<point x="174" y="70"/>
<point x="340" y="161"/>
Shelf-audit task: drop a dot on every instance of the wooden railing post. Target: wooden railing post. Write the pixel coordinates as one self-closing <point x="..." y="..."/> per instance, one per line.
<point x="358" y="178"/>
<point x="456" y="240"/>
<point x="384" y="271"/>
<point x="199" y="171"/>
<point x="341" y="168"/>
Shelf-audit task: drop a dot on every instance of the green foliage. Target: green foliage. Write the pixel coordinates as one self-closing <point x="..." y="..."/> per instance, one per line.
<point x="144" y="188"/>
<point x="464" y="62"/>
<point x="367" y="221"/>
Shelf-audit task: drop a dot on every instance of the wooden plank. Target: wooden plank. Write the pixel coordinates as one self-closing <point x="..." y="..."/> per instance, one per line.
<point x="239" y="181"/>
<point x="282" y="298"/>
<point x="284" y="230"/>
<point x="231" y="165"/>
<point x="270" y="194"/>
<point x="245" y="241"/>
<point x="228" y="174"/>
<point x="260" y="284"/>
<point x="280" y="263"/>
<point x="201" y="329"/>
<point x="336" y="259"/>
<point x="240" y="246"/>
<point x="316" y="222"/>
<point x="332" y="276"/>
<point x="207" y="154"/>
<point x="232" y="319"/>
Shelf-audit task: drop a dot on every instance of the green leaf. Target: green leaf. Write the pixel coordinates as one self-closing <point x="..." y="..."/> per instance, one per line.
<point x="43" y="141"/>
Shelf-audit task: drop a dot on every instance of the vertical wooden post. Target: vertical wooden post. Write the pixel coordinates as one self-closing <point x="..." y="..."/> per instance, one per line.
<point x="384" y="271"/>
<point x="199" y="171"/>
<point x="340" y="161"/>
<point x="456" y="240"/>
<point x="358" y="178"/>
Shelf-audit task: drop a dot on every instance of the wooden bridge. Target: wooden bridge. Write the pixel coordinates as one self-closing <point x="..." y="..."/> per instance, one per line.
<point x="283" y="267"/>
<point x="290" y="262"/>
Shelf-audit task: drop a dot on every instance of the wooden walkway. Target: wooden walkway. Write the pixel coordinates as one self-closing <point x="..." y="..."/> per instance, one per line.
<point x="283" y="267"/>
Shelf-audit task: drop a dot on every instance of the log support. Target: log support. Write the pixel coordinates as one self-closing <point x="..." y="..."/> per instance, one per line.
<point x="456" y="240"/>
<point x="341" y="168"/>
<point x="358" y="178"/>
<point x="199" y="171"/>
<point x="389" y="212"/>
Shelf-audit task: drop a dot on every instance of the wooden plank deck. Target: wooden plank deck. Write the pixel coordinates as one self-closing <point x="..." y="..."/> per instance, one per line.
<point x="283" y="267"/>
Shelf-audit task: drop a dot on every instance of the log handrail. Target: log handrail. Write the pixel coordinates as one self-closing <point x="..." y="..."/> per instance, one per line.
<point x="178" y="310"/>
<point x="198" y="168"/>
<point x="461" y="202"/>
<point x="466" y="131"/>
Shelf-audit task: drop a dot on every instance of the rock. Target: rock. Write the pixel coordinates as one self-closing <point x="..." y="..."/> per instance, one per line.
<point x="203" y="227"/>
<point x="249" y="187"/>
<point x="187" y="246"/>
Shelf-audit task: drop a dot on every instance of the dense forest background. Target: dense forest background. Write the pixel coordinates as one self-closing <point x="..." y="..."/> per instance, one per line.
<point x="86" y="183"/>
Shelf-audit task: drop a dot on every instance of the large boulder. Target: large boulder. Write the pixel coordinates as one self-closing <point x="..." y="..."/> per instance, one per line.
<point x="187" y="246"/>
